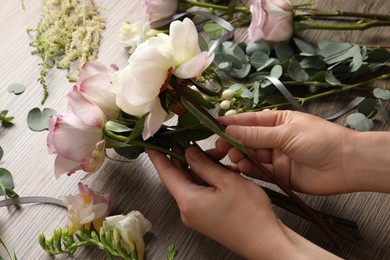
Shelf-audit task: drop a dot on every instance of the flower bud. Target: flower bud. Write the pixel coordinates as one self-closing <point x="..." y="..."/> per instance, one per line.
<point x="225" y="104"/>
<point x="228" y="94"/>
<point x="231" y="112"/>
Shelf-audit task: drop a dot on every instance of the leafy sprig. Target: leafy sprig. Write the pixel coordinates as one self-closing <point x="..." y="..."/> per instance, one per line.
<point x="68" y="32"/>
<point x="63" y="242"/>
<point x="4" y="119"/>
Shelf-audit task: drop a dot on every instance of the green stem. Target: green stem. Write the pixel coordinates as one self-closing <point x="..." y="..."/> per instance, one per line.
<point x="343" y="88"/>
<point x="7" y="248"/>
<point x="356" y="26"/>
<point x="322" y="15"/>
<point x="215" y="6"/>
<point x="124" y="139"/>
<point x="295" y="6"/>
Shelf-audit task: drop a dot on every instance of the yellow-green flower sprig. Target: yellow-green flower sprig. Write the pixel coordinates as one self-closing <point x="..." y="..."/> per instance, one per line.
<point x="68" y="32"/>
<point x="63" y="242"/>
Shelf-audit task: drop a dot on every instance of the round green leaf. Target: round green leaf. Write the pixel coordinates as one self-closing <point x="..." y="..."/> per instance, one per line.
<point x="381" y="93"/>
<point x="258" y="46"/>
<point x="38" y="120"/>
<point x="368" y="107"/>
<point x="296" y="72"/>
<point x="306" y="48"/>
<point x="1" y="152"/>
<point x="6" y="179"/>
<point x="283" y="51"/>
<point x="16" y="88"/>
<point x="276" y="71"/>
<point x="359" y="122"/>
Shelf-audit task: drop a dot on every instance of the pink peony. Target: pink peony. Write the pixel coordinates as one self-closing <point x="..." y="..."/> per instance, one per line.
<point x="94" y="83"/>
<point x="156" y="10"/>
<point x="272" y="20"/>
<point x="86" y="209"/>
<point x="77" y="136"/>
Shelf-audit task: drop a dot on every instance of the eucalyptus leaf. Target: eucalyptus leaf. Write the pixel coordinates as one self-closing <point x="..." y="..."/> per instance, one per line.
<point x="6" y="179"/>
<point x="214" y="30"/>
<point x="223" y="58"/>
<point x="239" y="53"/>
<point x="379" y="55"/>
<point x="368" y="107"/>
<point x="1" y="152"/>
<point x="357" y="61"/>
<point x="306" y="48"/>
<point x="258" y="59"/>
<point x="331" y="79"/>
<point x="312" y="62"/>
<point x="296" y="72"/>
<point x="256" y="87"/>
<point x="16" y="88"/>
<point x="276" y="71"/>
<point x="381" y="93"/>
<point x="245" y="92"/>
<point x="240" y="73"/>
<point x="38" y="120"/>
<point x="283" y="51"/>
<point x="359" y="122"/>
<point x="262" y="46"/>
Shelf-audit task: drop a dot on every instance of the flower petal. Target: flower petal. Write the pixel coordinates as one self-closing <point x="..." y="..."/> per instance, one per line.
<point x="195" y="66"/>
<point x="154" y="120"/>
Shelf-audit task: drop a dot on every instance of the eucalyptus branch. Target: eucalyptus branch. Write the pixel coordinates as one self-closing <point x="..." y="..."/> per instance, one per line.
<point x="12" y="256"/>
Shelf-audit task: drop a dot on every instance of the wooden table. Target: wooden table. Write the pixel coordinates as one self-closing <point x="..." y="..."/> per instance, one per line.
<point x="135" y="185"/>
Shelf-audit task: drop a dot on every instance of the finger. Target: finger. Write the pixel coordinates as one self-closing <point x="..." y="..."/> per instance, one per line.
<point x="175" y="179"/>
<point x="206" y="169"/>
<point x="262" y="118"/>
<point x="258" y="137"/>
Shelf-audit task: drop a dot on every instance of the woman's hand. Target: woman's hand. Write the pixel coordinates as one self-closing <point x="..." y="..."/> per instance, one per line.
<point x="307" y="153"/>
<point x="228" y="208"/>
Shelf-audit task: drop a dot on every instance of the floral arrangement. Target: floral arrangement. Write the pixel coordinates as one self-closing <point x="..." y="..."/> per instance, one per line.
<point x="194" y="78"/>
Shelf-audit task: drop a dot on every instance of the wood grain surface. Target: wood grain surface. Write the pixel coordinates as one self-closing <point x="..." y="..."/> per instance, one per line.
<point x="135" y="185"/>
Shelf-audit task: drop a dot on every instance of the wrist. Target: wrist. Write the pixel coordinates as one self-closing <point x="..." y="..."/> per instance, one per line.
<point x="368" y="162"/>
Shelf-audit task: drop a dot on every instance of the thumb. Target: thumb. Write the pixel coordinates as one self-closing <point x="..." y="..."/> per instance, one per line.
<point x="258" y="137"/>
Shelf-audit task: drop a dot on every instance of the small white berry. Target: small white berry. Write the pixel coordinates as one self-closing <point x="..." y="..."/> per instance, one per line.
<point x="224" y="104"/>
<point x="228" y="94"/>
<point x="231" y="112"/>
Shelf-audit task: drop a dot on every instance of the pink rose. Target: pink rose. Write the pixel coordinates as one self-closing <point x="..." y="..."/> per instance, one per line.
<point x="77" y="136"/>
<point x="87" y="209"/>
<point x="272" y="20"/>
<point x="156" y="10"/>
<point x="94" y="83"/>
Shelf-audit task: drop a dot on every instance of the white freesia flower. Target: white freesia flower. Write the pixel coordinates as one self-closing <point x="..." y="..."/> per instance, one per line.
<point x="133" y="34"/>
<point x="151" y="67"/>
<point x="132" y="227"/>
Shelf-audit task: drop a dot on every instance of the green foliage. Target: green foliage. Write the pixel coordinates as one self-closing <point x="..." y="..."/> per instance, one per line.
<point x="7" y="184"/>
<point x="172" y="252"/>
<point x="38" y="120"/>
<point x="62" y="242"/>
<point x="16" y="88"/>
<point x="4" y="119"/>
<point x="68" y="33"/>
<point x="12" y="256"/>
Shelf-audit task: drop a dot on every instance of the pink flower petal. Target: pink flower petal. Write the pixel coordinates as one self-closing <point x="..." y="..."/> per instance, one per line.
<point x="195" y="66"/>
<point x="154" y="120"/>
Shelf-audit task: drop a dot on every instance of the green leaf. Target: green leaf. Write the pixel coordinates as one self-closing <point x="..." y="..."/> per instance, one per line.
<point x="331" y="79"/>
<point x="198" y="98"/>
<point x="276" y="71"/>
<point x="262" y="46"/>
<point x="313" y="62"/>
<point x="368" y="107"/>
<point x="16" y="88"/>
<point x="138" y="128"/>
<point x="306" y="48"/>
<point x="240" y="73"/>
<point x="245" y="92"/>
<point x="214" y="30"/>
<point x="6" y="179"/>
<point x="296" y="72"/>
<point x="283" y="51"/>
<point x="382" y="110"/>
<point x="258" y="59"/>
<point x="206" y="121"/>
<point x="381" y="93"/>
<point x="359" y="122"/>
<point x="4" y="118"/>
<point x="357" y="60"/>
<point x="378" y="56"/>
<point x="116" y="127"/>
<point x="223" y="58"/>
<point x="1" y="152"/>
<point x="38" y="120"/>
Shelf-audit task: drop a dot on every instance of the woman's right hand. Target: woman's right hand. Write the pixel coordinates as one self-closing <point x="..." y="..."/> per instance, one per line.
<point x="307" y="153"/>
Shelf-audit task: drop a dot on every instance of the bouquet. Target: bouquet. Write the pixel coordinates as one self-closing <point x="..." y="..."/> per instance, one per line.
<point x="193" y="79"/>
